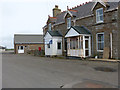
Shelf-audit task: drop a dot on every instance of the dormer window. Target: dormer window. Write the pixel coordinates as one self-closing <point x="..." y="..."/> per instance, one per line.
<point x="50" y="27"/>
<point x="99" y="15"/>
<point x="68" y="22"/>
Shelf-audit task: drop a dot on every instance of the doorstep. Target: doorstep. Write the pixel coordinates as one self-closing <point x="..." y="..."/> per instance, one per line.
<point x="105" y="60"/>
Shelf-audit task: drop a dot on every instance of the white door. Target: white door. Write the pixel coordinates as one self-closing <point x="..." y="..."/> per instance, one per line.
<point x="20" y="49"/>
<point x="87" y="46"/>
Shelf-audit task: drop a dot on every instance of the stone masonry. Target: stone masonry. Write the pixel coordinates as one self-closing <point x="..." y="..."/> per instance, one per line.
<point x="111" y="24"/>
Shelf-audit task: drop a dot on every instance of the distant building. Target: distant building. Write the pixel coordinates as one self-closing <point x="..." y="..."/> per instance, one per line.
<point x="25" y="42"/>
<point x="2" y="48"/>
<point x="88" y="30"/>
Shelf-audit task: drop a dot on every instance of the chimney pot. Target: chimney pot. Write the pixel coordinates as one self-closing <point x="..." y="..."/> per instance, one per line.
<point x="56" y="6"/>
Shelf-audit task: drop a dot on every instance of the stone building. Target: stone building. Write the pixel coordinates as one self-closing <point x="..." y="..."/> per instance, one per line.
<point x="99" y="19"/>
<point x="25" y="42"/>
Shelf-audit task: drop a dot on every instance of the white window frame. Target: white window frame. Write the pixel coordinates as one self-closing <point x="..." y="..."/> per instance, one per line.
<point x="68" y="22"/>
<point x="99" y="21"/>
<point x="99" y="42"/>
<point x="50" y="27"/>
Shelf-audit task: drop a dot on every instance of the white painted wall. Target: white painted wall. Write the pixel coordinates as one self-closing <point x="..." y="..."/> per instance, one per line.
<point x="77" y="53"/>
<point x="47" y="38"/>
<point x="53" y="47"/>
<point x="1" y="50"/>
<point x="72" y="33"/>
<point x="56" y="50"/>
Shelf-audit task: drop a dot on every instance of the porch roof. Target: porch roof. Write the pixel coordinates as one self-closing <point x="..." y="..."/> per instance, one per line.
<point x="81" y="29"/>
<point x="76" y="31"/>
<point x="55" y="33"/>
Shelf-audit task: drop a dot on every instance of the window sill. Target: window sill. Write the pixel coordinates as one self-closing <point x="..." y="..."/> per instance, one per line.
<point x="97" y="23"/>
<point x="68" y="28"/>
<point x="100" y="50"/>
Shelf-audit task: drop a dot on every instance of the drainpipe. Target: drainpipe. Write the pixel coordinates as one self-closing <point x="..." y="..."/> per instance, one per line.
<point x="111" y="45"/>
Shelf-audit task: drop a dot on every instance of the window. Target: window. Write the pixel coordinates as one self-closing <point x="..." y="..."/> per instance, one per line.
<point x="48" y="45"/>
<point x="99" y="15"/>
<point x="74" y="43"/>
<point x="50" y="27"/>
<point x="100" y="41"/>
<point x="59" y="45"/>
<point x="68" y="22"/>
<point x="18" y="47"/>
<point x="21" y="47"/>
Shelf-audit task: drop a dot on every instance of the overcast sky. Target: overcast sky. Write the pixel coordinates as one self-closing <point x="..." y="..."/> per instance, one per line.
<point x="27" y="16"/>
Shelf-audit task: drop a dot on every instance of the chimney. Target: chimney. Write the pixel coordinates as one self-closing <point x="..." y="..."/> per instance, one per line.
<point x="105" y="1"/>
<point x="56" y="11"/>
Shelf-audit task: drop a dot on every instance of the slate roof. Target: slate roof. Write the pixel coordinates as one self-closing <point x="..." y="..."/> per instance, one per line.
<point x="28" y="38"/>
<point x="81" y="29"/>
<point x="53" y="19"/>
<point x="83" y="11"/>
<point x="55" y="33"/>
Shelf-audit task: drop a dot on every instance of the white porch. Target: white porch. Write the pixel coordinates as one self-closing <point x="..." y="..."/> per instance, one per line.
<point x="79" y="46"/>
<point x="78" y="43"/>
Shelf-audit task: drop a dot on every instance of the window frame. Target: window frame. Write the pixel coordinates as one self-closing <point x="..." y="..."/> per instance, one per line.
<point x="48" y="46"/>
<point x="60" y="45"/>
<point x="49" y="26"/>
<point x="68" y="22"/>
<point x="100" y="21"/>
<point x="100" y="41"/>
<point x="74" y="43"/>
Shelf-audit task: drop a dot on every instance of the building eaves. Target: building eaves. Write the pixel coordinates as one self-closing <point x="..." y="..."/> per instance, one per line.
<point x="55" y="33"/>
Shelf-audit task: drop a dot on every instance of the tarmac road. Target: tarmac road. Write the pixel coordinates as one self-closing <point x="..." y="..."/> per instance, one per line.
<point x="25" y="71"/>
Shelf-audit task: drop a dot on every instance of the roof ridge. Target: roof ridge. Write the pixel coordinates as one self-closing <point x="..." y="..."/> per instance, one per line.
<point x="80" y="5"/>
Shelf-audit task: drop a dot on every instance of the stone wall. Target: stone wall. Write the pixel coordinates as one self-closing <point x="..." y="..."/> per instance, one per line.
<point x="29" y="47"/>
<point x="119" y="31"/>
<point x="109" y="26"/>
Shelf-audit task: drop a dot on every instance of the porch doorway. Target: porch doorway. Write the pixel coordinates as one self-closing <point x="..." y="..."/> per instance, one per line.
<point x="87" y="46"/>
<point x="20" y="49"/>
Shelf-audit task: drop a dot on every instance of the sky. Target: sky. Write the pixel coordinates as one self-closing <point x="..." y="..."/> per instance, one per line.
<point x="27" y="16"/>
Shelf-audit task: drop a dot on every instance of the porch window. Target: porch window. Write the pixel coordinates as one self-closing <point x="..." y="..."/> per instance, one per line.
<point x="59" y="45"/>
<point x="74" y="43"/>
<point x="100" y="41"/>
<point x="99" y="15"/>
<point x="68" y="22"/>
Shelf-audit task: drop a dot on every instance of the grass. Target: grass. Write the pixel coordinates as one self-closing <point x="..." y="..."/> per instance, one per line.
<point x="9" y="49"/>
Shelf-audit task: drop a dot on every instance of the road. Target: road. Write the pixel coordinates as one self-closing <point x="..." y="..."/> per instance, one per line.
<point x="26" y="71"/>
